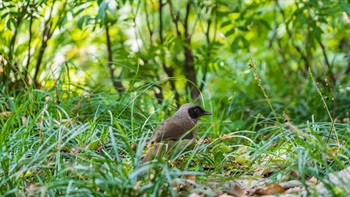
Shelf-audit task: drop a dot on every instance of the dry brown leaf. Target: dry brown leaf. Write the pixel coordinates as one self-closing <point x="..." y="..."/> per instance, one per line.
<point x="133" y="146"/>
<point x="137" y="185"/>
<point x="189" y="185"/>
<point x="74" y="151"/>
<point x="32" y="188"/>
<point x="295" y="174"/>
<point x="206" y="141"/>
<point x="290" y="175"/>
<point x="270" y="190"/>
<point x="191" y="177"/>
<point x="268" y="171"/>
<point x="235" y="190"/>
<point x="231" y="188"/>
<point x="334" y="152"/>
<point x="313" y="180"/>
<point x="24" y="121"/>
<point x="225" y="195"/>
<point x="5" y="114"/>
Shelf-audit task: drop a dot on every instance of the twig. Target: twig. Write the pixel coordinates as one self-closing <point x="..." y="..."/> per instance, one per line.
<point x="256" y="77"/>
<point x="326" y="60"/>
<point x="325" y="105"/>
<point x="334" y="104"/>
<point x="57" y="101"/>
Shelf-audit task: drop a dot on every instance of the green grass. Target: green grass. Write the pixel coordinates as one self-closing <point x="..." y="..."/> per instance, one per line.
<point x="92" y="144"/>
<point x="50" y="149"/>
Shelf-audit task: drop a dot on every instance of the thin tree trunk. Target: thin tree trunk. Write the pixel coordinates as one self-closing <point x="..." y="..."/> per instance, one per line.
<point x="189" y="67"/>
<point x="45" y="38"/>
<point x="116" y="83"/>
<point x="168" y="70"/>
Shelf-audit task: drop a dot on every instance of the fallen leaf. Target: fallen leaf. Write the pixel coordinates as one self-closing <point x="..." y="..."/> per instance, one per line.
<point x="225" y="195"/>
<point x="291" y="184"/>
<point x="295" y="174"/>
<point x="5" y="114"/>
<point x="133" y="146"/>
<point x="270" y="190"/>
<point x="243" y="158"/>
<point x="188" y="185"/>
<point x="206" y="141"/>
<point x="235" y="190"/>
<point x="137" y="185"/>
<point x="191" y="177"/>
<point x="313" y="180"/>
<point x="340" y="179"/>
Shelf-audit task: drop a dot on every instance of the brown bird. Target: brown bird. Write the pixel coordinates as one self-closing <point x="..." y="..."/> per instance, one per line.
<point x="180" y="126"/>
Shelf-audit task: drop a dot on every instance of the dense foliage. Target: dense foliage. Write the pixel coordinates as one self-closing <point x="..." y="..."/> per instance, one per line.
<point x="82" y="82"/>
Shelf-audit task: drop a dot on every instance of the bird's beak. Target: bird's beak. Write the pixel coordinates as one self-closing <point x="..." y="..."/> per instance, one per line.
<point x="207" y="113"/>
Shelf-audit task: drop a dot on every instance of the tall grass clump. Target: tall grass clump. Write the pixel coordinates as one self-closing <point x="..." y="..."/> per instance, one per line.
<point x="89" y="144"/>
<point x="311" y="148"/>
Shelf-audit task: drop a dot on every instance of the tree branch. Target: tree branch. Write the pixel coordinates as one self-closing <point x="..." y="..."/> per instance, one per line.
<point x="327" y="61"/>
<point x="303" y="56"/>
<point x="7" y="69"/>
<point x="175" y="18"/>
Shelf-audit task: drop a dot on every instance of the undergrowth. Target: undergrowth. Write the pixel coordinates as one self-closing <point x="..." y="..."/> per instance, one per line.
<point x="92" y="144"/>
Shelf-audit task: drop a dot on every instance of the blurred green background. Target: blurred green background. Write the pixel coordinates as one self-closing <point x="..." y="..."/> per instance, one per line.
<point x="84" y="83"/>
<point x="175" y="51"/>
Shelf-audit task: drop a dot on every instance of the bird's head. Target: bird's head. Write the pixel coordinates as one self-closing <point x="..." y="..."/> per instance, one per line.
<point x="192" y="111"/>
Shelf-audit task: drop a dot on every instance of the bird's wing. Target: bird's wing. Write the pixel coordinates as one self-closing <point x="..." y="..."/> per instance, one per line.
<point x="170" y="130"/>
<point x="157" y="132"/>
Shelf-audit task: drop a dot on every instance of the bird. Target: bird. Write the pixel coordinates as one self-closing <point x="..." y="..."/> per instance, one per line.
<point x="181" y="126"/>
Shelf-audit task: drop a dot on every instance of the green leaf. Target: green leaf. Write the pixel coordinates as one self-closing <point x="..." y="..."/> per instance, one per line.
<point x="11" y="21"/>
<point x="322" y="20"/>
<point x="230" y="32"/>
<point x="345" y="7"/>
<point x="223" y="13"/>
<point x="234" y="45"/>
<point x="4" y="15"/>
<point x="84" y="20"/>
<point x="102" y="10"/>
<point x="243" y="28"/>
<point x="225" y="23"/>
<point x="78" y="12"/>
<point x="248" y="21"/>
<point x="265" y="23"/>
<point x="245" y="42"/>
<point x="318" y="32"/>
